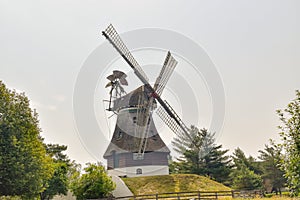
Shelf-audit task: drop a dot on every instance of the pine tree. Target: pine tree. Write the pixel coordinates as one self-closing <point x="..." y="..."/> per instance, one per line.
<point x="201" y="156"/>
<point x="246" y="172"/>
<point x="272" y="173"/>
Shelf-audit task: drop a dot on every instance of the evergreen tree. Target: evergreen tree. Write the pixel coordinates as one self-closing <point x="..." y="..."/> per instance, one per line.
<point x="243" y="175"/>
<point x="245" y="179"/>
<point x="200" y="155"/>
<point x="240" y="160"/>
<point x="272" y="173"/>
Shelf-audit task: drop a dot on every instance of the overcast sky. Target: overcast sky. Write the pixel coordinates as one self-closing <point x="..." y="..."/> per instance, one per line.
<point x="254" y="45"/>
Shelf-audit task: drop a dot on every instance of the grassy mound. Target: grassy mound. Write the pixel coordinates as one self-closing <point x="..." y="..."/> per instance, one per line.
<point x="172" y="183"/>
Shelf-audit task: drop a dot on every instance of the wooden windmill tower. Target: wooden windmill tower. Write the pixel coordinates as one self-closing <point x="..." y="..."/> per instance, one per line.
<point x="136" y="148"/>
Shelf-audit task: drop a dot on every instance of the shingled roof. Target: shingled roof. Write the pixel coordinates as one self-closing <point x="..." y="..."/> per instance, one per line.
<point x="124" y="139"/>
<point x="137" y="97"/>
<point x="128" y="131"/>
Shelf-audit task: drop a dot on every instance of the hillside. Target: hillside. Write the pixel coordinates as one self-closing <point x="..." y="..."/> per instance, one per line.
<point x="172" y="183"/>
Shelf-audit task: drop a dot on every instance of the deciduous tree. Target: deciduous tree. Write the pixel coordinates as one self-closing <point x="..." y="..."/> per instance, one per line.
<point x="24" y="164"/>
<point x="290" y="135"/>
<point x="58" y="184"/>
<point x="93" y="184"/>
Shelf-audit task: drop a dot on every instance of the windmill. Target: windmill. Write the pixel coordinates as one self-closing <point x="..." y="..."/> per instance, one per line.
<point x="136" y="147"/>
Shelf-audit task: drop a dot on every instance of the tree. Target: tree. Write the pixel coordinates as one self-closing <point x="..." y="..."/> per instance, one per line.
<point x="55" y="151"/>
<point x="93" y="184"/>
<point x="74" y="174"/>
<point x="240" y="160"/>
<point x="290" y="135"/>
<point x="200" y="155"/>
<point x="245" y="179"/>
<point x="217" y="165"/>
<point x="58" y="183"/>
<point x="243" y="174"/>
<point x="24" y="164"/>
<point x="272" y="173"/>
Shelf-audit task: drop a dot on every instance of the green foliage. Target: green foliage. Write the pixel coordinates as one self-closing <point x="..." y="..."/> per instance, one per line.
<point x="93" y="184"/>
<point x="199" y="155"/>
<point x="56" y="152"/>
<point x="10" y="198"/>
<point x="58" y="183"/>
<point x="270" y="157"/>
<point x="74" y="173"/>
<point x="24" y="164"/>
<point x="246" y="179"/>
<point x="244" y="174"/>
<point x="240" y="160"/>
<point x="290" y="135"/>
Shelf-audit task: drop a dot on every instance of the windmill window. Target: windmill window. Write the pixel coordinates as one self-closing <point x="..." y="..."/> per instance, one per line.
<point x="139" y="171"/>
<point x="134" y="119"/>
<point x="119" y="136"/>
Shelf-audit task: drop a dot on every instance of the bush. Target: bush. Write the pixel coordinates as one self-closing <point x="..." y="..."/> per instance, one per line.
<point x="94" y="184"/>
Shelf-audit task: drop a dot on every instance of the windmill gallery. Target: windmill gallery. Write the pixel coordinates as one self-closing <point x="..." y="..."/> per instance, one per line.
<point x="136" y="149"/>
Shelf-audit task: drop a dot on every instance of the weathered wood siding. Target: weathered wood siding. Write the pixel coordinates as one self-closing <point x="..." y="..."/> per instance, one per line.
<point x="126" y="160"/>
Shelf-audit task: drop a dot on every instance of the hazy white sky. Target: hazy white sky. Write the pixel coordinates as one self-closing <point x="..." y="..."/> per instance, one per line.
<point x="255" y="46"/>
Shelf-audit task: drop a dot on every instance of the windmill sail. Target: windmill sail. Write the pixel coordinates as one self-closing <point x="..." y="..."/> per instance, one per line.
<point x="160" y="83"/>
<point x="165" y="73"/>
<point x="178" y="128"/>
<point x="111" y="34"/>
<point x="114" y="38"/>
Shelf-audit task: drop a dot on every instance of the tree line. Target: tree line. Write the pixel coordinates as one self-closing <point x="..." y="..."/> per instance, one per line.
<point x="30" y="168"/>
<point x="276" y="167"/>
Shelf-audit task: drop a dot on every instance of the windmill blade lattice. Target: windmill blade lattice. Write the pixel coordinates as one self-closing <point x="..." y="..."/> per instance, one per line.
<point x="161" y="81"/>
<point x="111" y="34"/>
<point x="178" y="127"/>
<point x="114" y="38"/>
<point x="165" y="73"/>
<point x="145" y="131"/>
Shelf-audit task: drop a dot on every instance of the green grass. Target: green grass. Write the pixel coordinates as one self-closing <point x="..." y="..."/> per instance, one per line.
<point x="172" y="183"/>
<point x="10" y="198"/>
